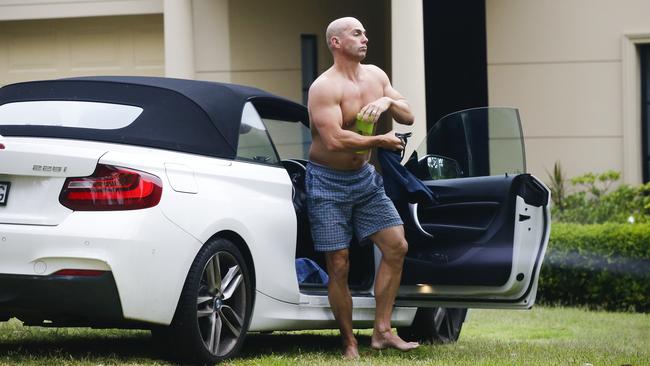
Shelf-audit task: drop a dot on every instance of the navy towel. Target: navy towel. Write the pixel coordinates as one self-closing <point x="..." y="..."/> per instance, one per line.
<point x="400" y="184"/>
<point x="310" y="272"/>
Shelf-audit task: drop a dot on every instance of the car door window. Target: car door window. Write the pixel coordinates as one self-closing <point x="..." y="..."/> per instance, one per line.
<point x="291" y="138"/>
<point x="254" y="141"/>
<point x="472" y="143"/>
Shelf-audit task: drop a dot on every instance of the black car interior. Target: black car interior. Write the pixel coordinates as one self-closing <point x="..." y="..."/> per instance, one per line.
<point x="361" y="274"/>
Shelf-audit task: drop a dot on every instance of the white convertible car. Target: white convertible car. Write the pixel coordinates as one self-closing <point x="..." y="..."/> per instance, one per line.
<point x="178" y="206"/>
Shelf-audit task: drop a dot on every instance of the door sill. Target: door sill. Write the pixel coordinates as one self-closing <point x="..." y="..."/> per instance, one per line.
<point x="320" y="290"/>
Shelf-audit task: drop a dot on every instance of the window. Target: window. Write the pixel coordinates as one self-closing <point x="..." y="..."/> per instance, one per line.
<point x="472" y="143"/>
<point x="645" y="109"/>
<point x="254" y="142"/>
<point x="291" y="139"/>
<point x="309" y="57"/>
<point x="68" y="113"/>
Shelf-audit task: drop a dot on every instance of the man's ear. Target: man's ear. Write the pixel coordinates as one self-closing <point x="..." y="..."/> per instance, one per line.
<point x="335" y="41"/>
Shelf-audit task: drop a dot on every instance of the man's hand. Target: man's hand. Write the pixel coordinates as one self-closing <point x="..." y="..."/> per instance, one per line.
<point x="372" y="111"/>
<point x="391" y="142"/>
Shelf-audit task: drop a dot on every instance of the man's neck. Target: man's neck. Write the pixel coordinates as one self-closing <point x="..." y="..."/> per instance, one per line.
<point x="351" y="69"/>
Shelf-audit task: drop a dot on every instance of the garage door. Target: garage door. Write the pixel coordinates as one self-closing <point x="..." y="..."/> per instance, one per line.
<point x="55" y="48"/>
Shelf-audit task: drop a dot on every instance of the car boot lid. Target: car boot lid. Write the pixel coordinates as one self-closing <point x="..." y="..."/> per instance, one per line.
<point x="27" y="157"/>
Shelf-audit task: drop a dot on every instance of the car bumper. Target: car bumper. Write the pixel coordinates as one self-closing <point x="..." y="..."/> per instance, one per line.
<point x="67" y="300"/>
<point x="147" y="255"/>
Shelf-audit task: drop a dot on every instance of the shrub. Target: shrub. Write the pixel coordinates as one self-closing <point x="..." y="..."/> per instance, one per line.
<point x="594" y="203"/>
<point x="557" y="185"/>
<point x="602" y="266"/>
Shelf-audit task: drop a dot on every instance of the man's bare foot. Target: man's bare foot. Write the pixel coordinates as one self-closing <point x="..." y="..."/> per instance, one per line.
<point x="387" y="339"/>
<point x="350" y="348"/>
<point x="351" y="352"/>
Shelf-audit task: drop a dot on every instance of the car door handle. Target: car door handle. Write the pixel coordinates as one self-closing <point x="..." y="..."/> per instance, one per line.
<point x="413" y="209"/>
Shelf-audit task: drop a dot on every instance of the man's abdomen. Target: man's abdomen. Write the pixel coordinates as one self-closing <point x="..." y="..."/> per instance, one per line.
<point x="339" y="160"/>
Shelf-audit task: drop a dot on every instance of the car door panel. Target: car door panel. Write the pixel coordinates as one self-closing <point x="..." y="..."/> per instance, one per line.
<point x="490" y="255"/>
<point x="482" y="242"/>
<point x="472" y="234"/>
<point x="466" y="208"/>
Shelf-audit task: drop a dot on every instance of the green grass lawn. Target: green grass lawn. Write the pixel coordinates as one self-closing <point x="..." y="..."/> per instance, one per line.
<point x="542" y="336"/>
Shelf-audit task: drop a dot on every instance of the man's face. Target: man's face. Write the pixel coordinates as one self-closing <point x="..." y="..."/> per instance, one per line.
<point x="354" y="42"/>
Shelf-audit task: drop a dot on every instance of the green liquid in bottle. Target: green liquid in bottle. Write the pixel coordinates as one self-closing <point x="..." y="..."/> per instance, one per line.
<point x="364" y="128"/>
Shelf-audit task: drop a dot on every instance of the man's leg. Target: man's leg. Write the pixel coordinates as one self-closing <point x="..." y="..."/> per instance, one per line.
<point x="393" y="247"/>
<point x="338" y="266"/>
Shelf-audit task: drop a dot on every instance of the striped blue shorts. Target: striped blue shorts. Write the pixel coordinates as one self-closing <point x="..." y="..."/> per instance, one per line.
<point x="343" y="203"/>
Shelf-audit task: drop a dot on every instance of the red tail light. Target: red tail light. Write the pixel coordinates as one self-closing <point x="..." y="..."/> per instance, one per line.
<point x="111" y="188"/>
<point x="79" y="272"/>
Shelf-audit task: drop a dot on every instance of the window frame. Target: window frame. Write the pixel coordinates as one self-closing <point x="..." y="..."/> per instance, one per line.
<point x="474" y="140"/>
<point x="249" y="111"/>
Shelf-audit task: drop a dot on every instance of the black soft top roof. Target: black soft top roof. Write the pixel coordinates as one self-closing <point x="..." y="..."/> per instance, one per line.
<point x="186" y="115"/>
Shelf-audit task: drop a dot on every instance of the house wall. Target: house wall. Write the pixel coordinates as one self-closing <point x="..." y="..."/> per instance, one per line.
<point x="265" y="39"/>
<point x="56" y="48"/>
<point x="51" y="9"/>
<point x="561" y="64"/>
<point x="253" y="42"/>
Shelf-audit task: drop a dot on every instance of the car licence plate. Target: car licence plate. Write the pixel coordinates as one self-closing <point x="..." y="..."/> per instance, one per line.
<point x="4" y="192"/>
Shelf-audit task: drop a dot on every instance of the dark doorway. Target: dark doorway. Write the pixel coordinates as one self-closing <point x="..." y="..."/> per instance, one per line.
<point x="645" y="109"/>
<point x="309" y="62"/>
<point x="455" y="56"/>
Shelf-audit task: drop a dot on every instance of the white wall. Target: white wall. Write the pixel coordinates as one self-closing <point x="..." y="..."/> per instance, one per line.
<point x="56" y="48"/>
<point x="560" y="62"/>
<point x="51" y="9"/>
<point x="212" y="40"/>
<point x="407" y="56"/>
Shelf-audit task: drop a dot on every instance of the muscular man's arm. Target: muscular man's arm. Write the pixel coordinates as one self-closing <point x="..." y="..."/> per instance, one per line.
<point x="326" y="116"/>
<point x="392" y="101"/>
<point x="399" y="107"/>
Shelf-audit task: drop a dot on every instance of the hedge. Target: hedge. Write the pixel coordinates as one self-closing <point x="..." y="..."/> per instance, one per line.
<point x="600" y="266"/>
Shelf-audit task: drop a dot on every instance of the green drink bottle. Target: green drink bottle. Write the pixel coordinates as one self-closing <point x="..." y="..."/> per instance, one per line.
<point x="364" y="128"/>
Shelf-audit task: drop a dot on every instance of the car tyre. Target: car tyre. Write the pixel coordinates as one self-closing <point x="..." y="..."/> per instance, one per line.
<point x="434" y="325"/>
<point x="214" y="309"/>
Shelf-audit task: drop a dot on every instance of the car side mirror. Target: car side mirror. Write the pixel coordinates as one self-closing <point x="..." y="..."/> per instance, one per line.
<point x="440" y="167"/>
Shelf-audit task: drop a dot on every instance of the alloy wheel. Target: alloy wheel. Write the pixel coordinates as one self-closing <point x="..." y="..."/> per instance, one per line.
<point x="221" y="303"/>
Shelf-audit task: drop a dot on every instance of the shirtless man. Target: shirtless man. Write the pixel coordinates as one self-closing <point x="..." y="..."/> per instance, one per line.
<point x="345" y="194"/>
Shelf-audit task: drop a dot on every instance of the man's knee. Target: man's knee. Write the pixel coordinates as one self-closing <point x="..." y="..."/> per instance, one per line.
<point x="402" y="247"/>
<point x="396" y="251"/>
<point x="338" y="264"/>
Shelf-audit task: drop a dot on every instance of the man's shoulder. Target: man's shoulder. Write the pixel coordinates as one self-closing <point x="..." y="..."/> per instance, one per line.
<point x="375" y="71"/>
<point x="371" y="67"/>
<point x="326" y="83"/>
<point x="323" y="80"/>
<point x="328" y="77"/>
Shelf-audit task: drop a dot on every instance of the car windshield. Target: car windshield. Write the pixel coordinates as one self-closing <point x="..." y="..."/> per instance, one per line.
<point x="477" y="142"/>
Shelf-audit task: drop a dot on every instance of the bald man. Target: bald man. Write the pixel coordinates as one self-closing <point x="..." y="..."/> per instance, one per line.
<point x="345" y="195"/>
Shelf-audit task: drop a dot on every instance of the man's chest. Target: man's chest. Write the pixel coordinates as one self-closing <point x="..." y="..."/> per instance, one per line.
<point x="357" y="95"/>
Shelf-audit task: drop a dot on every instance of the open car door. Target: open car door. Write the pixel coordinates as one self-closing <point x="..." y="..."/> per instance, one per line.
<point x="482" y="243"/>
